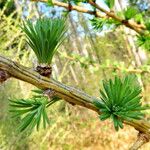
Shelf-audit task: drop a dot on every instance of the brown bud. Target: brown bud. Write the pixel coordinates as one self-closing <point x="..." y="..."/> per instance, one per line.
<point x="50" y="93"/>
<point x="44" y="71"/>
<point x="3" y="76"/>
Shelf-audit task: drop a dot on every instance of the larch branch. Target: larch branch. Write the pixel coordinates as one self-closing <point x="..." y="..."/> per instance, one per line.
<point x="141" y="140"/>
<point x="130" y="24"/>
<point x="68" y="93"/>
<point x="76" y="8"/>
<point x="139" y="28"/>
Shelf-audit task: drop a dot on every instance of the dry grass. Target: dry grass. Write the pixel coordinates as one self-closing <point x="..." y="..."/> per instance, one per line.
<point x="80" y="129"/>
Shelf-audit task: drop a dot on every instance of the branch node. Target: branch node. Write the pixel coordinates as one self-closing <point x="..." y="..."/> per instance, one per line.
<point x="3" y="75"/>
<point x="73" y="104"/>
<point x="125" y="22"/>
<point x="69" y="7"/>
<point x="50" y="93"/>
<point x="44" y="70"/>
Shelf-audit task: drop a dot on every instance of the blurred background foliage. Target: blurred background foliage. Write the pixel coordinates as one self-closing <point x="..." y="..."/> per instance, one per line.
<point x="86" y="57"/>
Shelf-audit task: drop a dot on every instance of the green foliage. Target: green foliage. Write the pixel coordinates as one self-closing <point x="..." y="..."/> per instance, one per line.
<point x="143" y="6"/>
<point x="102" y="23"/>
<point x="8" y="6"/>
<point x="50" y="3"/>
<point x="97" y="23"/>
<point x="144" y="41"/>
<point x="139" y="18"/>
<point x="147" y="24"/>
<point x="130" y="12"/>
<point x="44" y="37"/>
<point x="110" y="3"/>
<point x="32" y="111"/>
<point x="121" y="100"/>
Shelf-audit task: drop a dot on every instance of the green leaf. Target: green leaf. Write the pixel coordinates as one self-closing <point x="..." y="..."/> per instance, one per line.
<point x="147" y="24"/>
<point x="45" y="118"/>
<point x="130" y="12"/>
<point x="98" y="104"/>
<point x="120" y="124"/>
<point x="121" y="100"/>
<point x="104" y="110"/>
<point x="26" y="121"/>
<point x="144" y="41"/>
<point x="32" y="111"/>
<point x="104" y="116"/>
<point x="101" y="24"/>
<point x="38" y="91"/>
<point x="139" y="18"/>
<point x="50" y="3"/>
<point x="110" y="3"/>
<point x="116" y="122"/>
<point x="44" y="37"/>
<point x="38" y="119"/>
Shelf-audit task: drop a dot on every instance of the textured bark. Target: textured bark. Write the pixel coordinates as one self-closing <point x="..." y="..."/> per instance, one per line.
<point x="141" y="140"/>
<point x="70" y="94"/>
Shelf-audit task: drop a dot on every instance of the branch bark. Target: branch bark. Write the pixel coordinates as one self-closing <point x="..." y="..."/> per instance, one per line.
<point x="139" y="28"/>
<point x="76" y="8"/>
<point x="130" y="24"/>
<point x="141" y="140"/>
<point x="68" y="93"/>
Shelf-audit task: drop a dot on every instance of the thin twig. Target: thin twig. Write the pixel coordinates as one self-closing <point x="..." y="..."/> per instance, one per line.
<point x="141" y="140"/>
<point x="76" y="8"/>
<point x="132" y="25"/>
<point x="139" y="28"/>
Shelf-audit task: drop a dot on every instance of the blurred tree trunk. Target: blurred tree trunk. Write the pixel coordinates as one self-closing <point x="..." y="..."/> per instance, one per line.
<point x="75" y="35"/>
<point x="76" y="42"/>
<point x="130" y="36"/>
<point x="92" y="42"/>
<point x="91" y="39"/>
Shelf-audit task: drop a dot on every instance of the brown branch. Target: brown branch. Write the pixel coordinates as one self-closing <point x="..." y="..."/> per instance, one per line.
<point x="141" y="140"/>
<point x="139" y="28"/>
<point x="68" y="93"/>
<point x="77" y="8"/>
<point x="130" y="24"/>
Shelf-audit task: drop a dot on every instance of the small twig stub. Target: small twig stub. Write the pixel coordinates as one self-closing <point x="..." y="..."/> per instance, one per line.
<point x="3" y="76"/>
<point x="50" y="93"/>
<point x="141" y="140"/>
